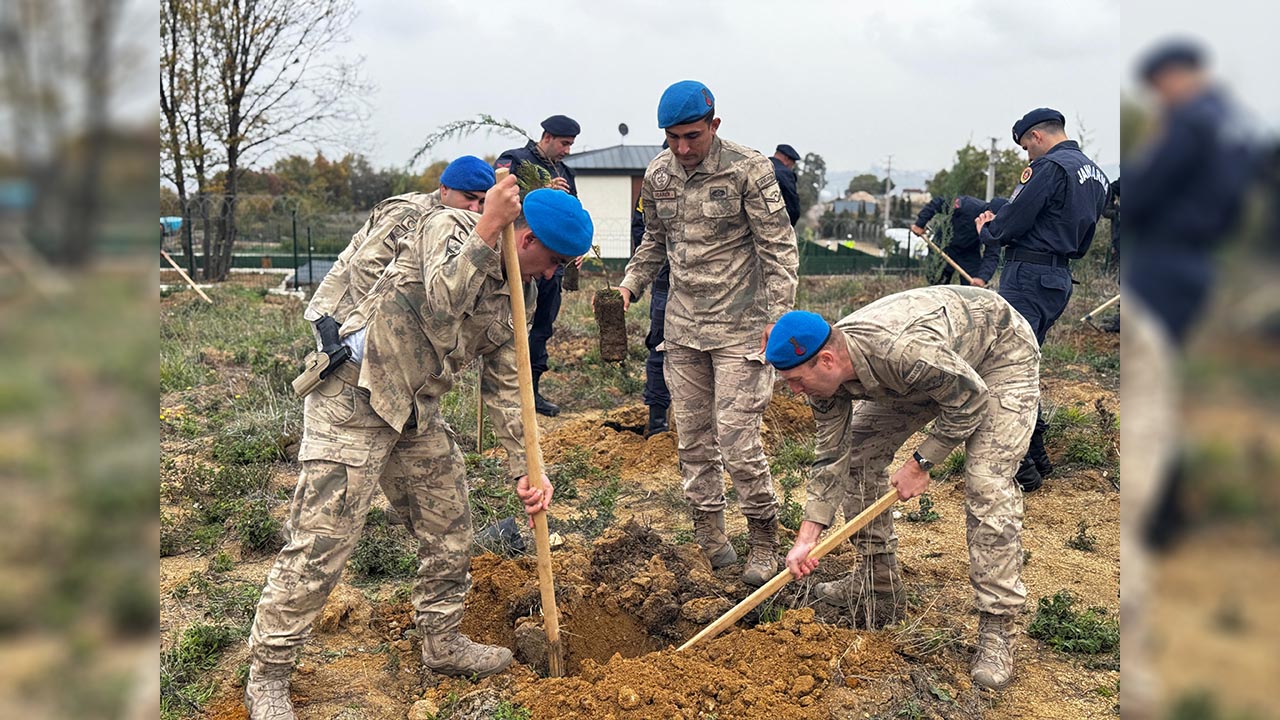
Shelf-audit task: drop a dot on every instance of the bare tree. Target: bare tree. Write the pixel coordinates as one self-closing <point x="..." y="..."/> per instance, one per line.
<point x="278" y="82"/>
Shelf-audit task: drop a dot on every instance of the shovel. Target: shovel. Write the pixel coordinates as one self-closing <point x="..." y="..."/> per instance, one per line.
<point x="533" y="452"/>
<point x="828" y="544"/>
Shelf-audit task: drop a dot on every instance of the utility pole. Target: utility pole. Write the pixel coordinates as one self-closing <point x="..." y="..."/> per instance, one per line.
<point x="991" y="171"/>
<point x="888" y="183"/>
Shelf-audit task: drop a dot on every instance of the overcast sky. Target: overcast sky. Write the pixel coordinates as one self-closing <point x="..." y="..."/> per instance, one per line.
<point x="852" y="81"/>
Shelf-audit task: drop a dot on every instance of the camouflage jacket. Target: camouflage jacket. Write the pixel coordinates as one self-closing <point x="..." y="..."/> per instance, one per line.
<point x="932" y="344"/>
<point x="369" y="253"/>
<point x="441" y="303"/>
<point x="725" y="232"/>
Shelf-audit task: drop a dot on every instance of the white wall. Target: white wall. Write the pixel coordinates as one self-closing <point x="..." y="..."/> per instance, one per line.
<point x="608" y="199"/>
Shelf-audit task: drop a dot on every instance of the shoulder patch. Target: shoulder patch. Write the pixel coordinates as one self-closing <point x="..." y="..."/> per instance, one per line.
<point x="916" y="371"/>
<point x="765" y="181"/>
<point x="640" y="204"/>
<point x="956" y="204"/>
<point x="1026" y="174"/>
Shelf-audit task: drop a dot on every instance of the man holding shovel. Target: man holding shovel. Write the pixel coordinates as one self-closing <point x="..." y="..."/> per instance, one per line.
<point x="443" y="301"/>
<point x="961" y="357"/>
<point x="714" y="211"/>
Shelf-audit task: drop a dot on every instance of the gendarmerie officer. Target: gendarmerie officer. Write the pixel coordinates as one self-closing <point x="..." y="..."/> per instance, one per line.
<point x="546" y="156"/>
<point x="784" y="161"/>
<point x="964" y="246"/>
<point x="1048" y="222"/>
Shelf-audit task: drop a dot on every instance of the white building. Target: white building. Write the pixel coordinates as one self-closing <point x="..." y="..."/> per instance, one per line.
<point x="608" y="182"/>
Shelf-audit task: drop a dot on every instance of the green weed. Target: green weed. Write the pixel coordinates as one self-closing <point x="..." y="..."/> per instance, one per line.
<point x="380" y="553"/>
<point x="1058" y="624"/>
<point x="926" y="513"/>
<point x="183" y="686"/>
<point x="1082" y="540"/>
<point x="951" y="467"/>
<point x="258" y="531"/>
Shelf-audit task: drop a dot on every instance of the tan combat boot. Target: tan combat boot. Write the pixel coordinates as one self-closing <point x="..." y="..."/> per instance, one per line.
<point x="762" y="561"/>
<point x="266" y="694"/>
<point x="993" y="663"/>
<point x="874" y="589"/>
<point x="708" y="531"/>
<point x="455" y="654"/>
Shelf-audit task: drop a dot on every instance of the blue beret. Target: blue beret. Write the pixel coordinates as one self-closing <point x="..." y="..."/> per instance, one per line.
<point x="1033" y="118"/>
<point x="469" y="174"/>
<point x="559" y="221"/>
<point x="1173" y="53"/>
<point x="797" y="336"/>
<point x="997" y="203"/>
<point x="561" y="126"/>
<point x="789" y="151"/>
<point x="684" y="102"/>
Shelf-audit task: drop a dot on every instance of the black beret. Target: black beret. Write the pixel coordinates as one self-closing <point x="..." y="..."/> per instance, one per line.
<point x="789" y="151"/>
<point x="1035" y="117"/>
<point x="1174" y="53"/>
<point x="561" y="126"/>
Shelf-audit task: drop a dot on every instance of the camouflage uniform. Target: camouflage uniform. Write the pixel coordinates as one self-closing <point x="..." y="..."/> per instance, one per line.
<point x="966" y="359"/>
<point x="371" y="250"/>
<point x="725" y="232"/>
<point x="442" y="302"/>
<point x="1150" y="401"/>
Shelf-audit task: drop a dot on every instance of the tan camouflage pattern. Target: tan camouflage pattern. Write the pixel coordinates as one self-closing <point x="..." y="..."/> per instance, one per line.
<point x="441" y="303"/>
<point x="347" y="452"/>
<point x="965" y="359"/>
<point x="370" y="251"/>
<point x="725" y="230"/>
<point x="1150" y="398"/>
<point x="718" y="399"/>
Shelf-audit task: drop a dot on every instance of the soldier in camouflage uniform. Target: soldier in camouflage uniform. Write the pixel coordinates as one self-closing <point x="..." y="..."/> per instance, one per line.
<point x="713" y="210"/>
<point x="443" y="301"/>
<point x="462" y="186"/>
<point x="959" y="356"/>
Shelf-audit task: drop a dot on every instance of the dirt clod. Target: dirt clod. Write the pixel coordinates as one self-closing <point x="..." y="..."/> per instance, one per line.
<point x="346" y="608"/>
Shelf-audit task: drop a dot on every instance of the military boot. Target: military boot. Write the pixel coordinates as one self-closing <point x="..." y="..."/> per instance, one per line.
<point x="993" y="663"/>
<point x="657" y="420"/>
<point x="455" y="654"/>
<point x="762" y="561"/>
<point x="542" y="405"/>
<point x="1028" y="477"/>
<point x="708" y="531"/>
<point x="1036" y="451"/>
<point x="874" y="589"/>
<point x="266" y="694"/>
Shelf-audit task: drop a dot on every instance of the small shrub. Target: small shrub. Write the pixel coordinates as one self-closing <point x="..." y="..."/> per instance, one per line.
<point x="596" y="511"/>
<point x="926" y="513"/>
<point x="379" y="554"/>
<point x="1064" y="628"/>
<point x="183" y="688"/>
<point x="793" y="457"/>
<point x="791" y="515"/>
<point x="1086" y="449"/>
<point x="221" y="563"/>
<point x="258" y="531"/>
<point x="1082" y="540"/>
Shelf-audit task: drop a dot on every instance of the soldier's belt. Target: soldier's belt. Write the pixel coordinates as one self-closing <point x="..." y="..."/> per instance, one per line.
<point x="1035" y="258"/>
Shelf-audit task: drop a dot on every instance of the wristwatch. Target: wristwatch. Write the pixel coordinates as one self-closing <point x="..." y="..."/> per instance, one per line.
<point x="925" y="465"/>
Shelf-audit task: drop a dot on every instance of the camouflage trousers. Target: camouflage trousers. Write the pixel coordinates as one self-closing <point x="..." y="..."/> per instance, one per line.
<point x="993" y="501"/>
<point x="718" y="398"/>
<point x="1149" y="435"/>
<point x="347" y="452"/>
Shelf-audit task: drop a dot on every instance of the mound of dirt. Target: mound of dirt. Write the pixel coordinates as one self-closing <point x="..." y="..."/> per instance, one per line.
<point x="795" y="668"/>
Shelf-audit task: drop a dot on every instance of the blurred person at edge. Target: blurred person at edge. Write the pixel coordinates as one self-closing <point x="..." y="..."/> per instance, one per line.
<point x="1184" y="191"/>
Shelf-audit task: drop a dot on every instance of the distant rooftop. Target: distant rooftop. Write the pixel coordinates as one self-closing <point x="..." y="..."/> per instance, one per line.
<point x="632" y="159"/>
